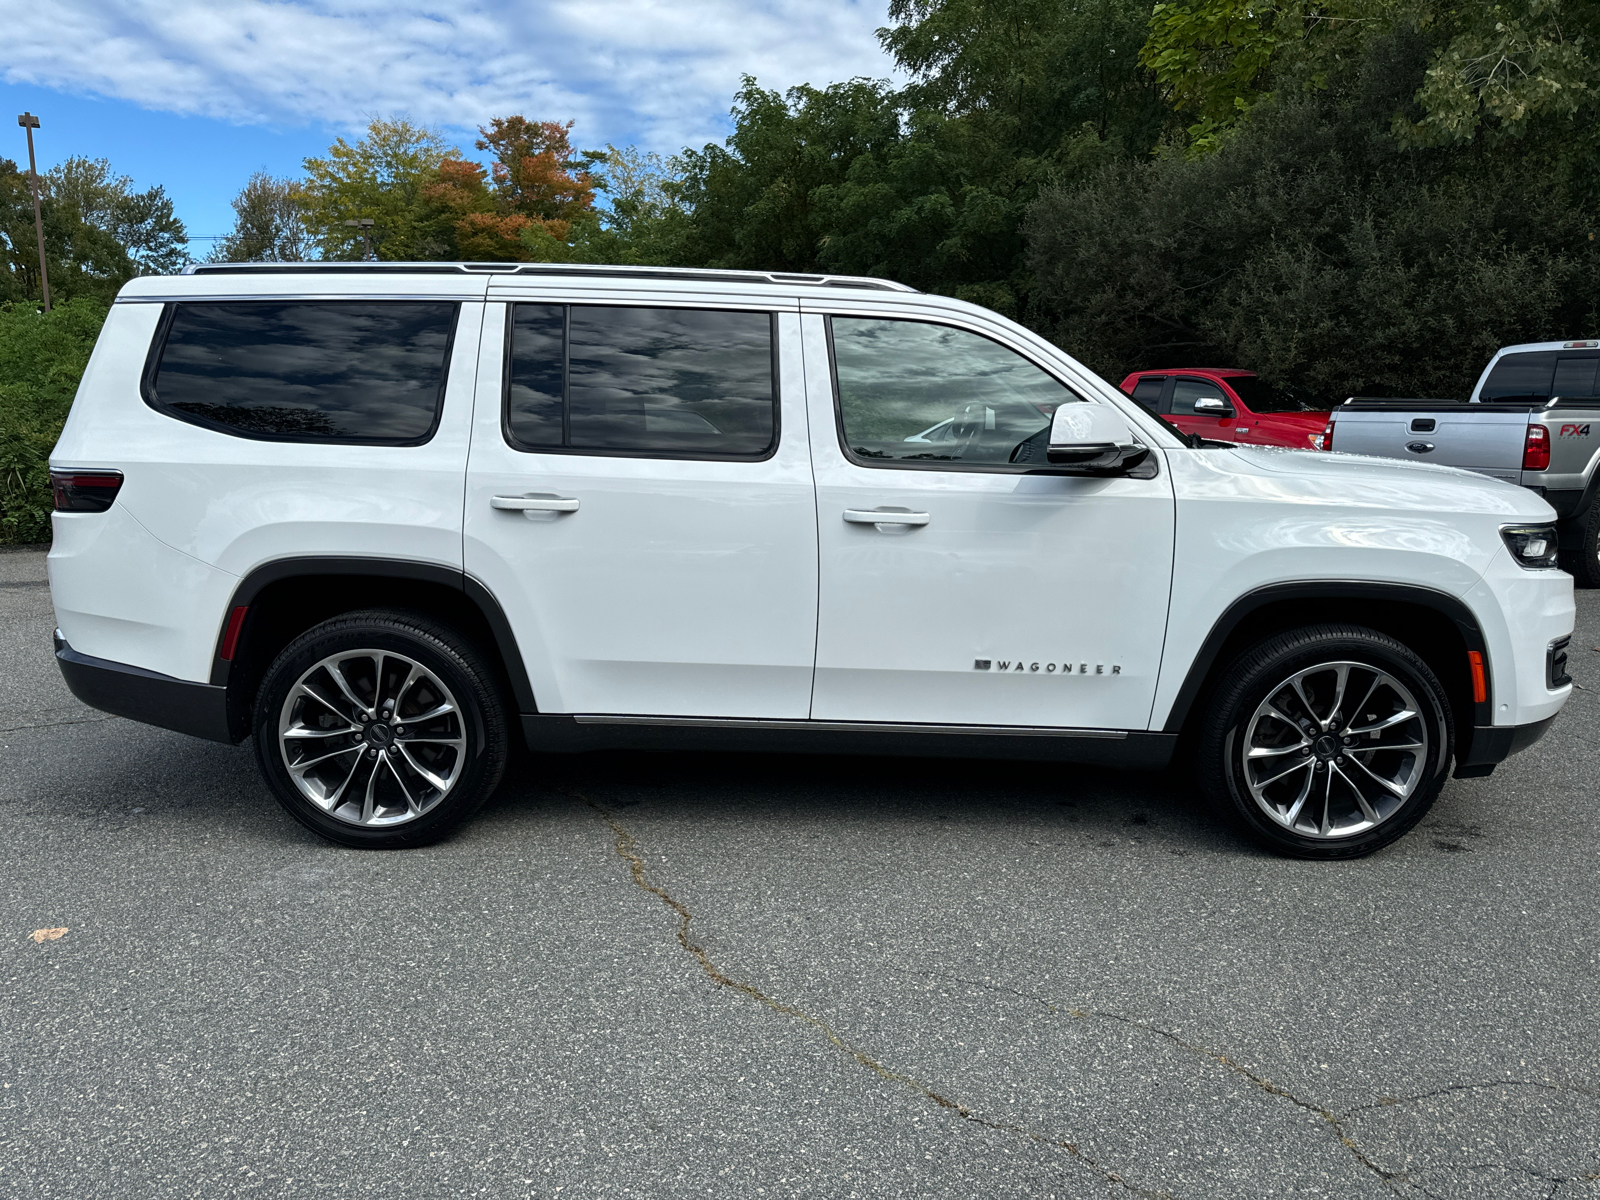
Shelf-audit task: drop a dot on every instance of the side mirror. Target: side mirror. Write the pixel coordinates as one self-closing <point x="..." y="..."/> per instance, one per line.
<point x="1213" y="404"/>
<point x="1093" y="439"/>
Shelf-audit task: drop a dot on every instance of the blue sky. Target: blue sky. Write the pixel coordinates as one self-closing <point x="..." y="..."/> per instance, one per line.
<point x="197" y="94"/>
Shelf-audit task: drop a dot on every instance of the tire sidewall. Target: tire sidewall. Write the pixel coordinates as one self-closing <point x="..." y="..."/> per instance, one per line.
<point x="1587" y="570"/>
<point x="1267" y="677"/>
<point x="472" y="696"/>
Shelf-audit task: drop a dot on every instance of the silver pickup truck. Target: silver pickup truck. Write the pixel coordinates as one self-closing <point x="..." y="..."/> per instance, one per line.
<point x="1533" y="419"/>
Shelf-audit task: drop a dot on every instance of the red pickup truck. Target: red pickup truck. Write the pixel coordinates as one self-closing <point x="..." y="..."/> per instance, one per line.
<point x="1229" y="405"/>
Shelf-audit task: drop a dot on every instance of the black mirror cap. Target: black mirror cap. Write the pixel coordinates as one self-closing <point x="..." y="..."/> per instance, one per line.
<point x="1105" y="459"/>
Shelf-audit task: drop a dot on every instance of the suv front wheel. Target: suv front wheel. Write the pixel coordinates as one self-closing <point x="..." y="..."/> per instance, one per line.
<point x="381" y="729"/>
<point x="1328" y="742"/>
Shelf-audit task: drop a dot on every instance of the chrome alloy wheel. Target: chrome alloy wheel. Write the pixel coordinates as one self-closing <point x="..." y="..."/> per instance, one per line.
<point x="372" y="737"/>
<point x="1335" y="750"/>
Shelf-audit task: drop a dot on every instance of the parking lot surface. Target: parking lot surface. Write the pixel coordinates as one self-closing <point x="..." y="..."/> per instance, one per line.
<point x="688" y="975"/>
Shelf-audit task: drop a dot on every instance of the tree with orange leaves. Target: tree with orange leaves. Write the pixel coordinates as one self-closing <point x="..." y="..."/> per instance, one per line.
<point x="532" y="202"/>
<point x="537" y="175"/>
<point x="466" y="218"/>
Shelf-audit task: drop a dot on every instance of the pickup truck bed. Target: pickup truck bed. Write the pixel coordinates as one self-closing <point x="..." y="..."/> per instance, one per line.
<point x="1549" y="446"/>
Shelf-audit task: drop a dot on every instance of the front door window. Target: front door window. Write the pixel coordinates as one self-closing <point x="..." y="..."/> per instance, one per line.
<point x="913" y="392"/>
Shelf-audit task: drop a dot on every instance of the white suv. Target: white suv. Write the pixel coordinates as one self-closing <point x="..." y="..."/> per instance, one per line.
<point x="386" y="518"/>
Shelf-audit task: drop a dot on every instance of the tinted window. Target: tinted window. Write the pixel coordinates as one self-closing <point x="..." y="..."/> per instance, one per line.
<point x="534" y="396"/>
<point x="1186" y="391"/>
<point x="1148" y="392"/>
<point x="1520" y="377"/>
<point x="370" y="371"/>
<point x="1261" y="397"/>
<point x="1575" y="375"/>
<point x="665" y="381"/>
<point x="912" y="391"/>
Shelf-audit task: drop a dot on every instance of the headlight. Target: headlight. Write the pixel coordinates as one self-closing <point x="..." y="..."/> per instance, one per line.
<point x="1533" y="546"/>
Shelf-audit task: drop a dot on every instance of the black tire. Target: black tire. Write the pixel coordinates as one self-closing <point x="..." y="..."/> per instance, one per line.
<point x="444" y="686"/>
<point x="1584" y="562"/>
<point x="1350" y="788"/>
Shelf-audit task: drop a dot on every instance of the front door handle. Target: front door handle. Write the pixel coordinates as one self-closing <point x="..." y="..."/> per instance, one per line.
<point x="535" y="502"/>
<point x="884" y="516"/>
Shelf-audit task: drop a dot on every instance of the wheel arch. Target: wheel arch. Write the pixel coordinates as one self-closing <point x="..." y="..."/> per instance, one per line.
<point x="1408" y="613"/>
<point x="285" y="597"/>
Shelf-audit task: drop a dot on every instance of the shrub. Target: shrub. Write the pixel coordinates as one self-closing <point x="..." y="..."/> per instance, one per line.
<point x="42" y="357"/>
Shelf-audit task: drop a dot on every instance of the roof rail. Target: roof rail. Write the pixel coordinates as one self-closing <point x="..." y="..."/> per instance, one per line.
<point x="527" y="269"/>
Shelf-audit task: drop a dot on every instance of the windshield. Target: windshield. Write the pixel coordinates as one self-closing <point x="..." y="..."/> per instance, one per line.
<point x="1262" y="397"/>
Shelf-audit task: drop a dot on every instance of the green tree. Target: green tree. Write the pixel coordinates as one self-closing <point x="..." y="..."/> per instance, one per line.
<point x="1313" y="246"/>
<point x="928" y="184"/>
<point x="753" y="201"/>
<point x="647" y="219"/>
<point x="1028" y="72"/>
<point x="142" y="223"/>
<point x="1509" y="67"/>
<point x="98" y="231"/>
<point x="267" y="224"/>
<point x="1497" y="67"/>
<point x="382" y="176"/>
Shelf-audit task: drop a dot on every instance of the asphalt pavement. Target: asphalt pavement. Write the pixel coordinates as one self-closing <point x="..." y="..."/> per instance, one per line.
<point x="694" y="975"/>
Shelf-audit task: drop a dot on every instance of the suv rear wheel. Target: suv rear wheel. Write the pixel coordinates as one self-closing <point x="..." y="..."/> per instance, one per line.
<point x="381" y="729"/>
<point x="1328" y="742"/>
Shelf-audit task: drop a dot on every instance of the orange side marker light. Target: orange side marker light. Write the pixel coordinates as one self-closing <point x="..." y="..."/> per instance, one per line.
<point x="1480" y="686"/>
<point x="230" y="638"/>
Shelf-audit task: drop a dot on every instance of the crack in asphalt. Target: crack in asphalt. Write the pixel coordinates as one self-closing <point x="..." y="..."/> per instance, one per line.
<point x="1392" y="1101"/>
<point x="58" y="724"/>
<point x="980" y="983"/>
<point x="627" y="849"/>
<point x="1555" y="1181"/>
<point x="1334" y="1120"/>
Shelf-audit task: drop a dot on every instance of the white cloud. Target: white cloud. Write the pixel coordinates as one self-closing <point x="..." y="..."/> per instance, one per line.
<point x="658" y="72"/>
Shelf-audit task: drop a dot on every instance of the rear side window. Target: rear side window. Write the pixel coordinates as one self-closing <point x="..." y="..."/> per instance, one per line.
<point x="1521" y="377"/>
<point x="652" y="382"/>
<point x="369" y="372"/>
<point x="1148" y="391"/>
<point x="1575" y="375"/>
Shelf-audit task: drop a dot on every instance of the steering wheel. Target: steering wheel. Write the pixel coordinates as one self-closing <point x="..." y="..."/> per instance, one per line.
<point x="966" y="428"/>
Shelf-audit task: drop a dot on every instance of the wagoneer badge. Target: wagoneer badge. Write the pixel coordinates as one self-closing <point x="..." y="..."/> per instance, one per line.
<point x="1049" y="668"/>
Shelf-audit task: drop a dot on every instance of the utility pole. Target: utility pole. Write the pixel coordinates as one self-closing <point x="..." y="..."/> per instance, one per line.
<point x="30" y="122"/>
<point x="363" y="224"/>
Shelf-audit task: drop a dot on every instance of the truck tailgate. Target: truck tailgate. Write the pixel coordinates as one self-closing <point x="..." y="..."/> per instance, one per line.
<point x="1487" y="438"/>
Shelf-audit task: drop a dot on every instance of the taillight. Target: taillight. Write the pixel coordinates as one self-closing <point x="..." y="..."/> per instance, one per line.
<point x="1323" y="440"/>
<point x="85" y="491"/>
<point x="1536" y="450"/>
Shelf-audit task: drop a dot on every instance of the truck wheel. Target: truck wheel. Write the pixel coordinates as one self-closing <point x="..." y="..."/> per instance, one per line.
<point x="1585" y="562"/>
<point x="381" y="729"/>
<point x="1328" y="742"/>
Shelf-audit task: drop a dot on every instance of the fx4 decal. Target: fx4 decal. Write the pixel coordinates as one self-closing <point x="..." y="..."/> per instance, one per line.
<point x="1574" y="431"/>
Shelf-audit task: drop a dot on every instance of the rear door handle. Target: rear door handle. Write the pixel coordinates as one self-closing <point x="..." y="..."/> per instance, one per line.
<point x="535" y="502"/>
<point x="884" y="516"/>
